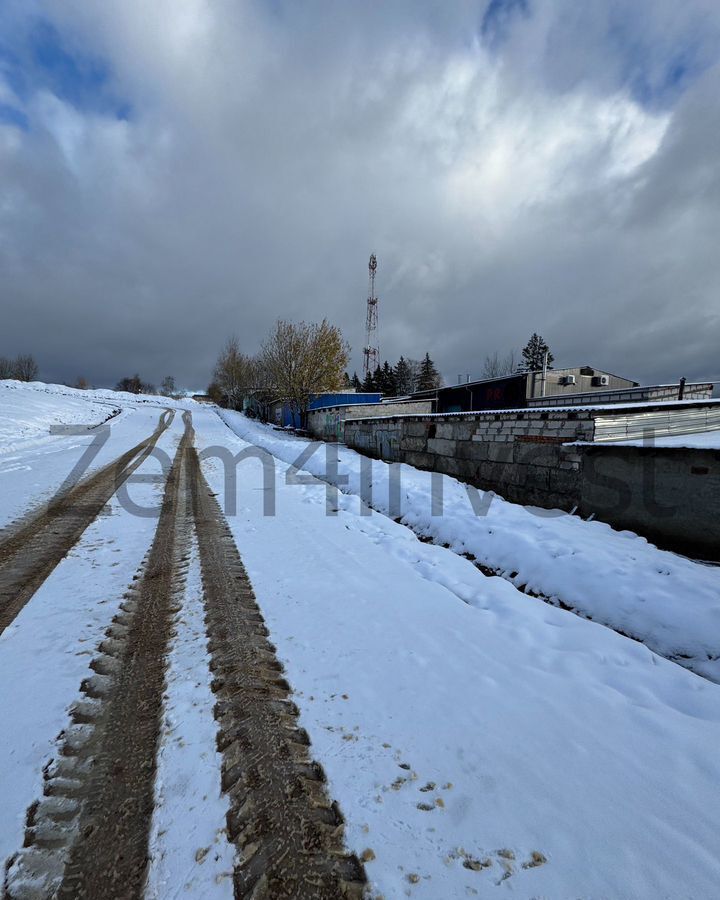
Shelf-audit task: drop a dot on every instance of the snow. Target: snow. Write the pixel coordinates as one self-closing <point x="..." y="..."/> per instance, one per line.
<point x="46" y="652"/>
<point x="615" y="577"/>
<point x="34" y="463"/>
<point x="467" y="730"/>
<point x="35" y="406"/>
<point x="189" y="852"/>
<point x="533" y="730"/>
<point x="28" y="413"/>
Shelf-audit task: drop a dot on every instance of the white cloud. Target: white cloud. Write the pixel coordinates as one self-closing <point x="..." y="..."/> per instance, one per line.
<point x="266" y="153"/>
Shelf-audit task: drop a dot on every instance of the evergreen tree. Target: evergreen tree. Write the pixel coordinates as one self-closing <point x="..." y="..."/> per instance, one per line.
<point x="534" y="354"/>
<point x="404" y="380"/>
<point x="369" y="385"/>
<point x="429" y="377"/>
<point x="355" y="382"/>
<point x="385" y="380"/>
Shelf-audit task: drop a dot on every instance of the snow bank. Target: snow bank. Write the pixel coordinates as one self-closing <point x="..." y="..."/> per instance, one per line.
<point x="618" y="578"/>
<point x="98" y="395"/>
<point x="29" y="411"/>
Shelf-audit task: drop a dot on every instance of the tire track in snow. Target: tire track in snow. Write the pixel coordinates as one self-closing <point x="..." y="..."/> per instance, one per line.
<point x="288" y="833"/>
<point x="189" y="851"/>
<point x="33" y="548"/>
<point x="88" y="836"/>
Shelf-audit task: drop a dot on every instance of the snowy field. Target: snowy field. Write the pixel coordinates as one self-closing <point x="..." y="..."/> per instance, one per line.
<point x="28" y="412"/>
<point x="36" y="452"/>
<point x="479" y="741"/>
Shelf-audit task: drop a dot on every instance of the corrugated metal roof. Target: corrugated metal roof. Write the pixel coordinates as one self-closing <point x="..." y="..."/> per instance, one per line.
<point x="611" y="407"/>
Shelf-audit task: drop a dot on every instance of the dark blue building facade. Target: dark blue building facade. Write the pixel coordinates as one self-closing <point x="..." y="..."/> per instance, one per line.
<point x="288" y="420"/>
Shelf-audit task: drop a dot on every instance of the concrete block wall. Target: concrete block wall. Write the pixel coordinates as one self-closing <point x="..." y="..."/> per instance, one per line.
<point x="671" y="495"/>
<point x="519" y="455"/>
<point x="328" y="423"/>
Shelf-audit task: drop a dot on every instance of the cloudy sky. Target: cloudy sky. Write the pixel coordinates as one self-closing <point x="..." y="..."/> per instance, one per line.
<point x="176" y="171"/>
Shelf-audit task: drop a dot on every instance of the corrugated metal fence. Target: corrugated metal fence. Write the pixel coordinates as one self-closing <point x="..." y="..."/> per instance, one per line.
<point x="657" y="423"/>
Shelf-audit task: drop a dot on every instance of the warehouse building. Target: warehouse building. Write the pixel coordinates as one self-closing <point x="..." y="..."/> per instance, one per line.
<point x="569" y="386"/>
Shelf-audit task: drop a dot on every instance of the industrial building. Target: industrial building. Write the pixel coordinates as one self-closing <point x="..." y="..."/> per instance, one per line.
<point x="569" y="386"/>
<point x="281" y="413"/>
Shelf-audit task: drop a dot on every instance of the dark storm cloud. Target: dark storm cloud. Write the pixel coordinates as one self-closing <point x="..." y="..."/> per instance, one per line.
<point x="235" y="162"/>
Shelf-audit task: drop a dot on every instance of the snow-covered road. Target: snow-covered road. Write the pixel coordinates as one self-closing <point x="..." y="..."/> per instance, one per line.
<point x="478" y="741"/>
<point x="45" y="653"/>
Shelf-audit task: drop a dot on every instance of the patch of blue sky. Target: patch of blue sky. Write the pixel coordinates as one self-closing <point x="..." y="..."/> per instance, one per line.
<point x="499" y="18"/>
<point x="656" y="72"/>
<point x="42" y="60"/>
<point x="11" y="115"/>
<point x="659" y="83"/>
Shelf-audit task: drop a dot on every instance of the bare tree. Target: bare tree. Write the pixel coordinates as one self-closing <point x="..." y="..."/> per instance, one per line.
<point x="25" y="368"/>
<point x="129" y="385"/>
<point x="511" y="363"/>
<point x="236" y="374"/>
<point x="303" y="359"/>
<point x="215" y="393"/>
<point x="496" y="366"/>
<point x="414" y="368"/>
<point x="491" y="366"/>
<point x="135" y="385"/>
<point x="82" y="383"/>
<point x="167" y="386"/>
<point x="7" y="368"/>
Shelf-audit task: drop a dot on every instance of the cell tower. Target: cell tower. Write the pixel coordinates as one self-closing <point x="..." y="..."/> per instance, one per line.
<point x="371" y="352"/>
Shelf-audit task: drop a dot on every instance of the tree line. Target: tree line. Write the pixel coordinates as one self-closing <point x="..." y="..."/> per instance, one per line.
<point x="405" y="377"/>
<point x="410" y="375"/>
<point x="531" y="359"/>
<point x="135" y="385"/>
<point x="22" y="368"/>
<point x="25" y="368"/>
<point x="296" y="361"/>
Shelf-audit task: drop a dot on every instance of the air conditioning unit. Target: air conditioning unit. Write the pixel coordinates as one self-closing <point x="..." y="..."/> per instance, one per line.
<point x="601" y="381"/>
<point x="567" y="379"/>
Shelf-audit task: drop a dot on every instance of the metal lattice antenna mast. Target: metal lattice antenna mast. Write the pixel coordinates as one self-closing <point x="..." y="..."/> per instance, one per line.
<point x="371" y="352"/>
